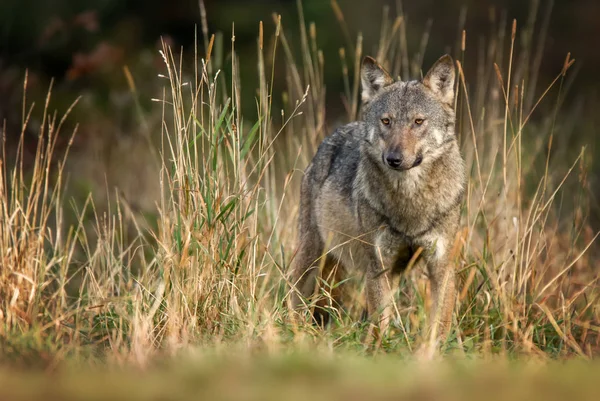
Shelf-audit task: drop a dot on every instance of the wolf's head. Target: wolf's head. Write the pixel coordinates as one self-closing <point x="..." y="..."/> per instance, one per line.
<point x="410" y="123"/>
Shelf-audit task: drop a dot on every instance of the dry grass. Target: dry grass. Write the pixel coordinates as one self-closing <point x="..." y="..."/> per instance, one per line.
<point x="213" y="271"/>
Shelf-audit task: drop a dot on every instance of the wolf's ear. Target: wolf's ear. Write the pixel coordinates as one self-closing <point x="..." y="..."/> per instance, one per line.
<point x="440" y="79"/>
<point x="373" y="78"/>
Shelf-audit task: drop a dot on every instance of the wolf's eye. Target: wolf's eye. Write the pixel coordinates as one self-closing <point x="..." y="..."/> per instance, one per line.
<point x="419" y="121"/>
<point x="385" y="121"/>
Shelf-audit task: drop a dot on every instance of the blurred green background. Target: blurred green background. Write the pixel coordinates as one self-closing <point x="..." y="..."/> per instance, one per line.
<point x="84" y="46"/>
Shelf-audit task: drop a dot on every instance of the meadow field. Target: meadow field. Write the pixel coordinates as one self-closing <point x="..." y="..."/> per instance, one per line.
<point x="101" y="299"/>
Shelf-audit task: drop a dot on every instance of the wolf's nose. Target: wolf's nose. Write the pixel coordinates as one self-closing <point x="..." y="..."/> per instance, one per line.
<point x="393" y="159"/>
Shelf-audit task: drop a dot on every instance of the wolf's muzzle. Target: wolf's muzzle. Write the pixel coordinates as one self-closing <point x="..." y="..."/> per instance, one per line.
<point x="395" y="161"/>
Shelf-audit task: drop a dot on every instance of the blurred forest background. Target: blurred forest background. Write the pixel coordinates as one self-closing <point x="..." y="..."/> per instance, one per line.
<point x="85" y="47"/>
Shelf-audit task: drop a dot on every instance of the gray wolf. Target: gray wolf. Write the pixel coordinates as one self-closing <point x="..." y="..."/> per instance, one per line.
<point x="380" y="188"/>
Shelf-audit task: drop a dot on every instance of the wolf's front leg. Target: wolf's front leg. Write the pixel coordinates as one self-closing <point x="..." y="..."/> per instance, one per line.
<point x="380" y="296"/>
<point x="443" y="291"/>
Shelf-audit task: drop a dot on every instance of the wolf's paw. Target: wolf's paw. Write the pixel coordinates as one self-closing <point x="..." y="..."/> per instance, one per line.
<point x="427" y="352"/>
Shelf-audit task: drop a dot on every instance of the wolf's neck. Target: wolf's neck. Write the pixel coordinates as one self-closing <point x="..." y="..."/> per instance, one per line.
<point x="416" y="194"/>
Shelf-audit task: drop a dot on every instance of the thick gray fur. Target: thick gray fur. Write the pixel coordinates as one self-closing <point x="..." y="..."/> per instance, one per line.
<point x="380" y="188"/>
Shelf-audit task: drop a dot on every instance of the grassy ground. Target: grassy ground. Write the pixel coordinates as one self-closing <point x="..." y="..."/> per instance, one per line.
<point x="209" y="270"/>
<point x="295" y="377"/>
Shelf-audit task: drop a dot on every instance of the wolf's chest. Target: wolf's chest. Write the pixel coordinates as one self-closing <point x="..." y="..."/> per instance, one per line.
<point x="393" y="249"/>
<point x="358" y="237"/>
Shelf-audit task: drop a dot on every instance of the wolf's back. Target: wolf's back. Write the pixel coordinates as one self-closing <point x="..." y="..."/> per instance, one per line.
<point x="337" y="158"/>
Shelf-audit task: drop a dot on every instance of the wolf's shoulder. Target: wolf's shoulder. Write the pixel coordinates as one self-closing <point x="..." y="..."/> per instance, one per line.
<point x="341" y="148"/>
<point x="347" y="135"/>
<point x="345" y="140"/>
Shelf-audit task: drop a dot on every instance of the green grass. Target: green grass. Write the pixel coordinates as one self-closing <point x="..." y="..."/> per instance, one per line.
<point x="209" y="273"/>
<point x="300" y="377"/>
